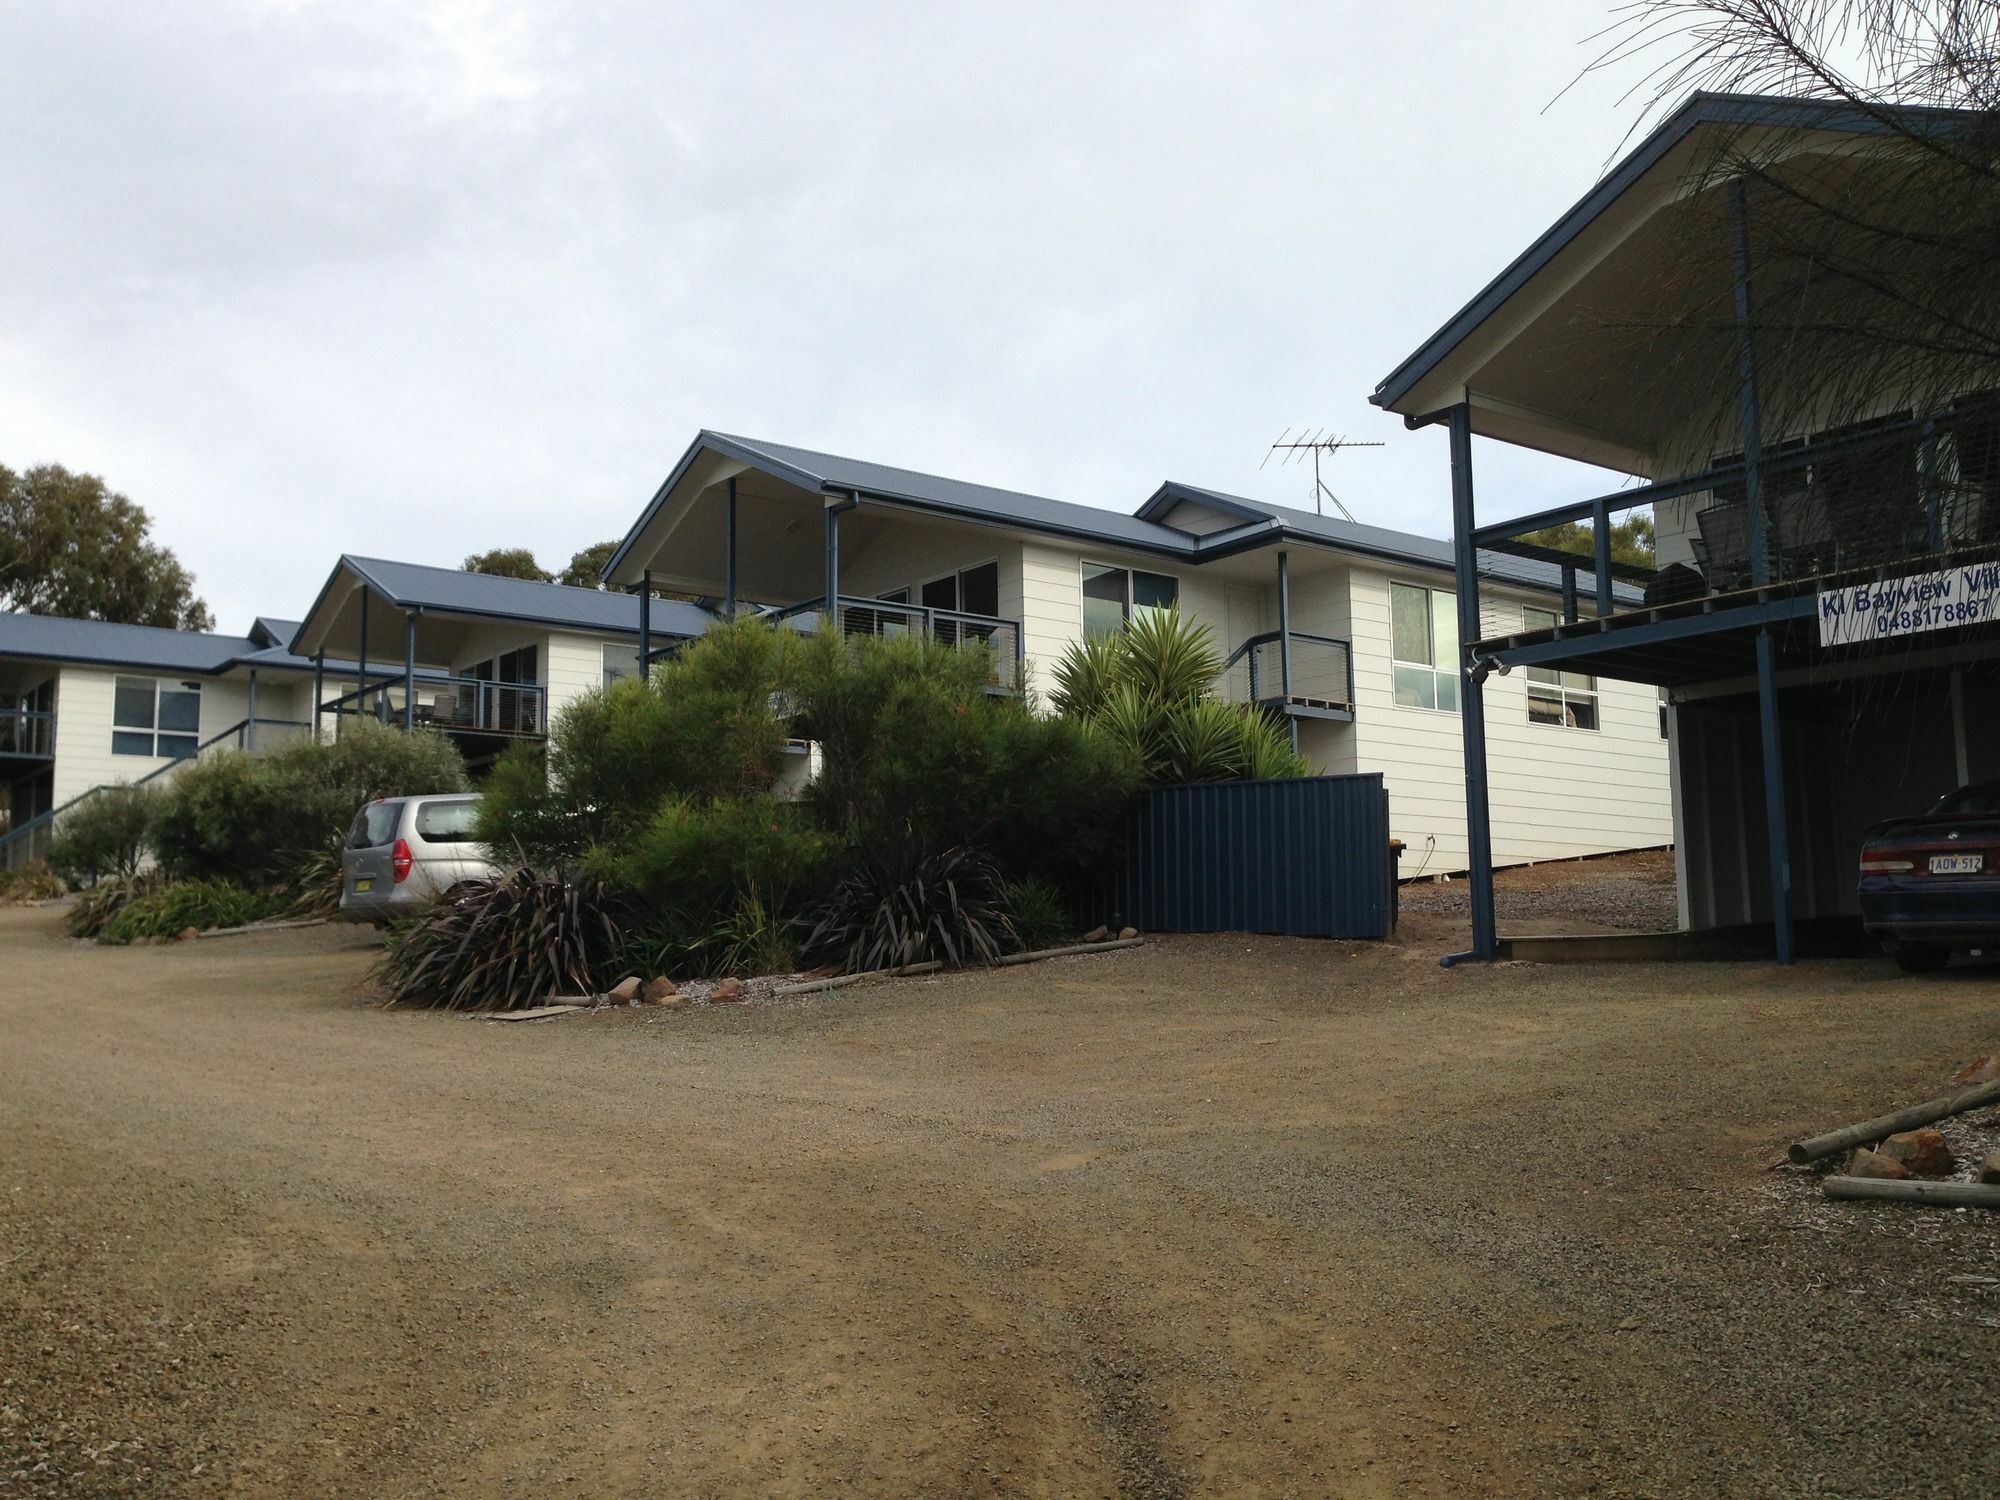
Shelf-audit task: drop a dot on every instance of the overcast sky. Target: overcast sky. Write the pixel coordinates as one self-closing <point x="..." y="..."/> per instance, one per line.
<point x="414" y="280"/>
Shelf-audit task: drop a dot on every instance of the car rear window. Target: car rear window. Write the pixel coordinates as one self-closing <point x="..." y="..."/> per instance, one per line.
<point x="374" y="825"/>
<point x="1979" y="800"/>
<point x="446" y="822"/>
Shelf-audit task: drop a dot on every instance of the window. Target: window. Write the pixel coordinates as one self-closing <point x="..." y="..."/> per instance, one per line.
<point x="155" y="718"/>
<point x="374" y="825"/>
<point x="447" y="822"/>
<point x="1423" y="642"/>
<point x="1554" y="697"/>
<point x="971" y="591"/>
<point x="1112" y="595"/>
<point x="1663" y="713"/>
<point x="620" y="662"/>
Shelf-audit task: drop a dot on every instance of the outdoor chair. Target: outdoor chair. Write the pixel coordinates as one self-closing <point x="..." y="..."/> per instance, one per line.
<point x="1724" y="552"/>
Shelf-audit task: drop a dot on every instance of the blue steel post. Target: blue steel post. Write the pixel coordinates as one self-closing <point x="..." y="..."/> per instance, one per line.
<point x="1471" y="689"/>
<point x="646" y="624"/>
<point x="833" y="510"/>
<point x="1600" y="535"/>
<point x="1285" y="645"/>
<point x="729" y="553"/>
<point x="319" y="692"/>
<point x="1746" y="370"/>
<point x="1933" y="495"/>
<point x="361" y="662"/>
<point x="409" y="671"/>
<point x="250" y="724"/>
<point x="1776" y="833"/>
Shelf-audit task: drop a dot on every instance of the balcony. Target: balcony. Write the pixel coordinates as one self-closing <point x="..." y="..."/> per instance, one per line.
<point x="1837" y="514"/>
<point x="457" y="706"/>
<point x="1319" y="685"/>
<point x="882" y="618"/>
<point x="27" y="734"/>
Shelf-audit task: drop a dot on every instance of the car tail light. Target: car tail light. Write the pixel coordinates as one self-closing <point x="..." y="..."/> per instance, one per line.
<point x="400" y="861"/>
<point x="1872" y="863"/>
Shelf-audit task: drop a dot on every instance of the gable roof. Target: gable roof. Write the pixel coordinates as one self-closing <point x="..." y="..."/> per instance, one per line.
<point x="560" y="606"/>
<point x="108" y="644"/>
<point x="1699" y="110"/>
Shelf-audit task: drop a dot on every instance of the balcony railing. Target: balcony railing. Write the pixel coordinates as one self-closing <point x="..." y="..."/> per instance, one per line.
<point x="1322" y="675"/>
<point x="1858" y="506"/>
<point x="881" y="618"/>
<point x="27" y="732"/>
<point x="454" y="705"/>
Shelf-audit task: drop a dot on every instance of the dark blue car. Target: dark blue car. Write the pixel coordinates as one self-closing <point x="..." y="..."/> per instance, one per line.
<point x="1930" y="884"/>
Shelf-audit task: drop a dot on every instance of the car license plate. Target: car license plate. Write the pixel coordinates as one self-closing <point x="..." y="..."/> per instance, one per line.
<point x="367" y="883"/>
<point x="1957" y="864"/>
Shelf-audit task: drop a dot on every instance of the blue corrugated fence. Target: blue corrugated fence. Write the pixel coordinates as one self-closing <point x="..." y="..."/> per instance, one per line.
<point x="1305" y="857"/>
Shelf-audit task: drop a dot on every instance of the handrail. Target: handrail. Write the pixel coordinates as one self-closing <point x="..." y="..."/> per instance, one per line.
<point x="44" y="819"/>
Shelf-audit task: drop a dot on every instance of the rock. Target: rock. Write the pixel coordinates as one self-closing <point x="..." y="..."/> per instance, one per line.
<point x="728" y="992"/>
<point x="187" y="934"/>
<point x="1866" y="1163"/>
<point x="1126" y="934"/>
<point x="1983" y="1070"/>
<point x="1925" y="1152"/>
<point x="1989" y="1170"/>
<point x="658" y="991"/>
<point x="1097" y="934"/>
<point x="625" y="991"/>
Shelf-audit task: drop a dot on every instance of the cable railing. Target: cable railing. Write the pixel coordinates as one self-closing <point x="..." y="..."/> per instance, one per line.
<point x="27" y="732"/>
<point x="888" y="619"/>
<point x="32" y="839"/>
<point x="1322" y="674"/>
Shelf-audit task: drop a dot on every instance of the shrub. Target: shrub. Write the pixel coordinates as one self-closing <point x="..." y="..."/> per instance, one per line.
<point x="719" y="882"/>
<point x="904" y="908"/>
<point x="705" y="727"/>
<point x="505" y="944"/>
<point x="93" y="910"/>
<point x="916" y="751"/>
<point x="106" y="834"/>
<point x="175" y="906"/>
<point x="32" y="882"/>
<point x="1151" y="689"/>
<point x="1039" y="913"/>
<point x="256" y="821"/>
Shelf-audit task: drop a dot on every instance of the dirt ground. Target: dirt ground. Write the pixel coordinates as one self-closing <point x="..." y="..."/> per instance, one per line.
<point x="1621" y="893"/>
<point x="1214" y="1216"/>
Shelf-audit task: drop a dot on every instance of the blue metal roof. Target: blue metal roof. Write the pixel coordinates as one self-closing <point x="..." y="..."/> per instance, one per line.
<point x="104" y="643"/>
<point x="556" y="605"/>
<point x="1700" y="109"/>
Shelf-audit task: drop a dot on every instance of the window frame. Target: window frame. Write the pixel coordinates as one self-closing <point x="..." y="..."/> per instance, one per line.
<point x="186" y="743"/>
<point x="1127" y="606"/>
<point x="1454" y="674"/>
<point x="1554" y="685"/>
<point x="914" y="594"/>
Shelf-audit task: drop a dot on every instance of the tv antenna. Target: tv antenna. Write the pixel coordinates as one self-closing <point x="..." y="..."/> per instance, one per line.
<point x="1295" y="450"/>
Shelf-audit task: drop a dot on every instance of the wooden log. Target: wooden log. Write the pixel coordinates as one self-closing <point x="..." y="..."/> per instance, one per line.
<point x="1943" y="1194"/>
<point x="1882" y="1126"/>
<point x="1042" y="953"/>
<point x="840" y="981"/>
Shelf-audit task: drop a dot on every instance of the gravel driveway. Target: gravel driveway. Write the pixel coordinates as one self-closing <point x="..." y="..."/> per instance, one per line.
<point x="1215" y="1216"/>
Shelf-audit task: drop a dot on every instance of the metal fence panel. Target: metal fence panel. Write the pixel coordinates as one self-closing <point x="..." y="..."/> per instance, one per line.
<point x="1304" y="857"/>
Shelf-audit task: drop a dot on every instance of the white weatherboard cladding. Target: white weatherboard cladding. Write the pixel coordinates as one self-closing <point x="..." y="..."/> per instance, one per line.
<point x="1556" y="792"/>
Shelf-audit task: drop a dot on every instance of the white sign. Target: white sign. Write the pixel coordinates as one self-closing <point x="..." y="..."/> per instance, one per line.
<point x="1909" y="606"/>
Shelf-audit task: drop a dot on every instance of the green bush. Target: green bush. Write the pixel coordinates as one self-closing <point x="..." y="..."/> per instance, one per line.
<point x="719" y="882"/>
<point x="1039" y="913"/>
<point x="1151" y="689"/>
<point x="259" y="821"/>
<point x="919" y="755"/>
<point x="901" y="907"/>
<point x="93" y="909"/>
<point x="106" y="834"/>
<point x="172" y="907"/>
<point x="705" y="727"/>
<point x="32" y="882"/>
<point x="507" y="944"/>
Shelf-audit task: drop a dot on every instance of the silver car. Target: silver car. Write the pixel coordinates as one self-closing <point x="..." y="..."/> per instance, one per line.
<point x="403" y="851"/>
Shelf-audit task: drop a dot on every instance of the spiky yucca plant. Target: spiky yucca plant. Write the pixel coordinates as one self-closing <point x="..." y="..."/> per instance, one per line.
<point x="907" y="907"/>
<point x="505" y="944"/>
<point x="1152" y="687"/>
